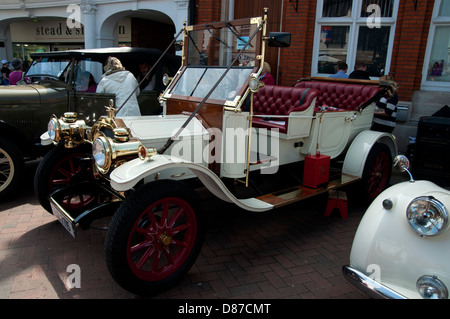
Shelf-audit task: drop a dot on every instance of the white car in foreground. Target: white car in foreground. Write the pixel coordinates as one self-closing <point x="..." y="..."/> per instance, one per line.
<point x="400" y="249"/>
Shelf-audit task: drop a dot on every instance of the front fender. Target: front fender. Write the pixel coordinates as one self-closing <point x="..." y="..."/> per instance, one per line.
<point x="129" y="174"/>
<point x="385" y="241"/>
<point x="358" y="151"/>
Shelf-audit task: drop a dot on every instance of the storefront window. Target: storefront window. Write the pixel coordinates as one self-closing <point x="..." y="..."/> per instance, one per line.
<point x="444" y="10"/>
<point x="333" y="47"/>
<point x="382" y="8"/>
<point x="436" y="72"/>
<point x="438" y="69"/>
<point x="372" y="49"/>
<point x="23" y="51"/>
<point x="336" y="8"/>
<point x="348" y="31"/>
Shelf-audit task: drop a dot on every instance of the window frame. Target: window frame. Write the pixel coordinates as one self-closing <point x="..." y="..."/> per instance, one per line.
<point x="436" y="21"/>
<point x="354" y="22"/>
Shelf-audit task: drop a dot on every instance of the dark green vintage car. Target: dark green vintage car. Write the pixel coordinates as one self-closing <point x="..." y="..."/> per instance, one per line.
<point x="56" y="87"/>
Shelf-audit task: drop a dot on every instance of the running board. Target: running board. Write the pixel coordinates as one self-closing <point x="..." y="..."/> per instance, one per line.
<point x="259" y="158"/>
<point x="298" y="193"/>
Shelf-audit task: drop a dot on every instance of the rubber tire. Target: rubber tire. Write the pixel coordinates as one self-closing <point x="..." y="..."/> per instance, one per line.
<point x="122" y="226"/>
<point x="377" y="171"/>
<point x="16" y="163"/>
<point x="48" y="164"/>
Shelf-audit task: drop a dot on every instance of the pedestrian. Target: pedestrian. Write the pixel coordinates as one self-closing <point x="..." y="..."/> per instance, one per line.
<point x="342" y="71"/>
<point x="265" y="76"/>
<point x="5" y="72"/>
<point x="122" y="83"/>
<point x="386" y="113"/>
<point x="17" y="74"/>
<point x="149" y="83"/>
<point x="360" y="72"/>
<point x="87" y="83"/>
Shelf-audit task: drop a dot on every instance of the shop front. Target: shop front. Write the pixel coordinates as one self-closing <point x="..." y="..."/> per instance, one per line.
<point x="55" y="35"/>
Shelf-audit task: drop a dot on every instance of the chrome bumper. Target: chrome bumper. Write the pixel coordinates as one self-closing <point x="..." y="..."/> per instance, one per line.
<point x="368" y="285"/>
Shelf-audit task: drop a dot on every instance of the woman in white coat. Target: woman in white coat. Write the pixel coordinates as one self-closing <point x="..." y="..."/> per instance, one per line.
<point x="122" y="83"/>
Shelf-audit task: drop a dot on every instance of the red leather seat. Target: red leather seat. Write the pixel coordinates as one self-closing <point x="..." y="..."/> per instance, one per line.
<point x="346" y="96"/>
<point x="280" y="100"/>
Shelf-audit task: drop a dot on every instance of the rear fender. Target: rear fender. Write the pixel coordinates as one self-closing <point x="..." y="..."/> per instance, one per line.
<point x="358" y="151"/>
<point x="129" y="174"/>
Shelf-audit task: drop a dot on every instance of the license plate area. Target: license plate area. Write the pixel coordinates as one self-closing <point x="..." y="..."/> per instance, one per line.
<point x="65" y="221"/>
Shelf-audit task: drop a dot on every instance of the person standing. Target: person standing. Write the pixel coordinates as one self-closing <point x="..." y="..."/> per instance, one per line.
<point x="386" y="113"/>
<point x="123" y="83"/>
<point x="17" y="74"/>
<point x="5" y="72"/>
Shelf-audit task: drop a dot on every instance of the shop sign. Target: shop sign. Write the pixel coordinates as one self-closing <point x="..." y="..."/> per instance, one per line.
<point x="52" y="31"/>
<point x="56" y="31"/>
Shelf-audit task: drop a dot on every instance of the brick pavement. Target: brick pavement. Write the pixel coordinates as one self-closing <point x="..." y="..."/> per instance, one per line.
<point x="293" y="252"/>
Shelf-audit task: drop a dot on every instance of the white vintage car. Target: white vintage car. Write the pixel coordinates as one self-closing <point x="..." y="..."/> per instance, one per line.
<point x="400" y="249"/>
<point x="259" y="147"/>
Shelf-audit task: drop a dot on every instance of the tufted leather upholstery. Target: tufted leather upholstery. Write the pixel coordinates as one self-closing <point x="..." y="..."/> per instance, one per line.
<point x="346" y="96"/>
<point x="280" y="100"/>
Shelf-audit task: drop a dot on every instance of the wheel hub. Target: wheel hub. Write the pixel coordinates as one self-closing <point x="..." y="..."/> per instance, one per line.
<point x="165" y="239"/>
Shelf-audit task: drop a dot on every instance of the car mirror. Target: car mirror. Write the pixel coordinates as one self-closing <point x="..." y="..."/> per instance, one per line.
<point x="279" y="39"/>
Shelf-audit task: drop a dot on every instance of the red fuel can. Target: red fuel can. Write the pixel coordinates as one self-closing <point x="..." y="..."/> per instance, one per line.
<point x="316" y="170"/>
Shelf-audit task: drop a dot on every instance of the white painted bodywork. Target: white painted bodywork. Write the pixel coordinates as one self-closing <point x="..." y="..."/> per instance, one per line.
<point x="387" y="247"/>
<point x="356" y="156"/>
<point x="125" y="177"/>
<point x="332" y="133"/>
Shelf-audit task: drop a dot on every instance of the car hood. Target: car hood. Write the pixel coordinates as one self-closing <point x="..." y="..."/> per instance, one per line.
<point x="31" y="93"/>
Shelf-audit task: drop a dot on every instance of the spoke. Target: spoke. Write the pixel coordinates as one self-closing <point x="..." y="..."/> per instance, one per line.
<point x="156" y="258"/>
<point x="142" y="231"/>
<point x="175" y="217"/>
<point x="180" y="228"/>
<point x="64" y="181"/>
<point x="179" y="243"/>
<point x="144" y="244"/>
<point x="164" y="215"/>
<point x="64" y="172"/>
<point x="145" y="257"/>
<point x="151" y="216"/>
<point x="4" y="173"/>
<point x="168" y="255"/>
<point x="71" y="165"/>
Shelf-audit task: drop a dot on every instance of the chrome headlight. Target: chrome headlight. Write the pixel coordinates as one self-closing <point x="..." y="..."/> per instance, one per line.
<point x="430" y="287"/>
<point x="427" y="216"/>
<point x="101" y="151"/>
<point x="53" y="129"/>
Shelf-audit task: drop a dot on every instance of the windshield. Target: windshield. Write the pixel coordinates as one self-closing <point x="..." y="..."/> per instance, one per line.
<point x="46" y="67"/>
<point x="218" y="47"/>
<point x="209" y="52"/>
<point x="197" y="82"/>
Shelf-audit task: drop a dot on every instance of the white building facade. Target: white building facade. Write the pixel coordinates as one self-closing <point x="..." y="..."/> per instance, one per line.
<point x="28" y="26"/>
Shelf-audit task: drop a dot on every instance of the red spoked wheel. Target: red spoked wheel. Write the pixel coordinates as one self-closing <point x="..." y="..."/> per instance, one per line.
<point x="162" y="239"/>
<point x="155" y="237"/>
<point x="63" y="167"/>
<point x="377" y="171"/>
